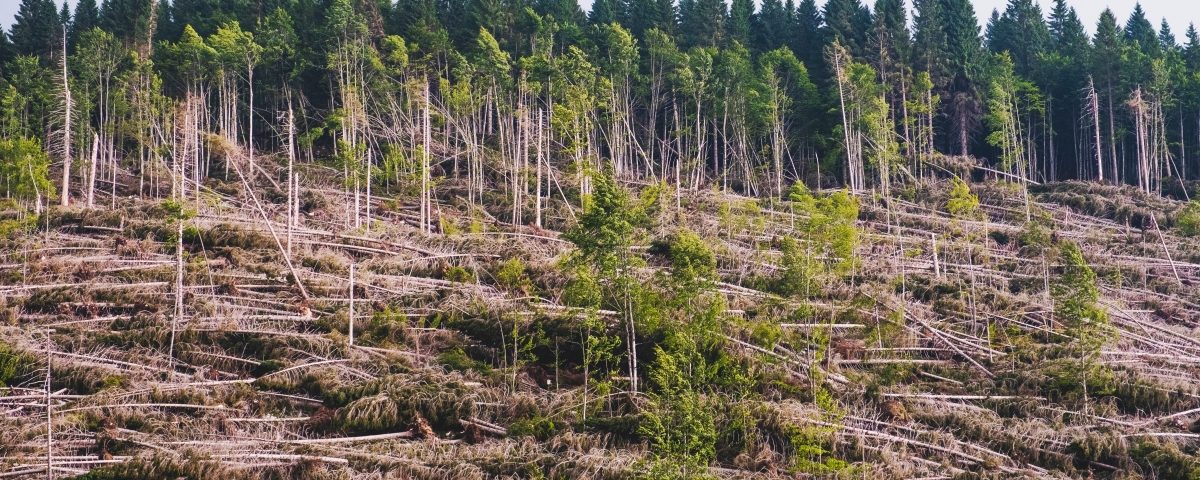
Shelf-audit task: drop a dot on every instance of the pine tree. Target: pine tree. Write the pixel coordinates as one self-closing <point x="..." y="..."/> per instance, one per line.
<point x="36" y="28"/>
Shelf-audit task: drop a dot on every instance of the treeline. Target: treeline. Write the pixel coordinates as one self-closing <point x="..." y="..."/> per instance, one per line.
<point x="143" y="97"/>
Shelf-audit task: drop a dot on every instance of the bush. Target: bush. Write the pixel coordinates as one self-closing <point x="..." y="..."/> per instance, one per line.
<point x="1188" y="220"/>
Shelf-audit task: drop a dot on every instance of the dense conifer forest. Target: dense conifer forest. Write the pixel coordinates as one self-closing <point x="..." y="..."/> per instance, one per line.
<point x="459" y="239"/>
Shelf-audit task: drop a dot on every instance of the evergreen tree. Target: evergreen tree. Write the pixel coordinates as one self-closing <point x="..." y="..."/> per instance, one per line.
<point x="848" y="21"/>
<point x="929" y="41"/>
<point x="1140" y="33"/>
<point x="602" y="13"/>
<point x="1107" y="59"/>
<point x="772" y="26"/>
<point x="129" y="19"/>
<point x="1067" y="33"/>
<point x="889" y="42"/>
<point x="1191" y="50"/>
<point x="36" y="27"/>
<point x="6" y="51"/>
<point x="1022" y="32"/>
<point x="165" y="28"/>
<point x="642" y="15"/>
<point x="809" y="42"/>
<point x="963" y="46"/>
<point x="741" y="17"/>
<point x="1166" y="38"/>
<point x="87" y="17"/>
<point x="702" y="23"/>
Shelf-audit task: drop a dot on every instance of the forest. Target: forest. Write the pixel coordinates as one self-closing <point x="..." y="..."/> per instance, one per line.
<point x="458" y="239"/>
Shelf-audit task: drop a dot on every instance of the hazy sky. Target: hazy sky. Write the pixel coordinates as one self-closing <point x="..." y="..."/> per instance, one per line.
<point x="1178" y="12"/>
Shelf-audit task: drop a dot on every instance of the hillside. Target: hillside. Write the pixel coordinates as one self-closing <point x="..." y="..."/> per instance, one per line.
<point x="832" y="335"/>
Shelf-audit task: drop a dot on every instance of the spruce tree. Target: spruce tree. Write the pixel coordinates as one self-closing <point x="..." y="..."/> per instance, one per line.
<point x="1022" y="33"/>
<point x="87" y="17"/>
<point x="1166" y="38"/>
<point x="36" y="27"/>
<point x="602" y="13"/>
<point x="808" y="42"/>
<point x="741" y="16"/>
<point x="1191" y="50"/>
<point x="773" y="27"/>
<point x="642" y="15"/>
<point x="129" y="19"/>
<point x="165" y="28"/>
<point x="1140" y="33"/>
<point x="889" y="42"/>
<point x="929" y="40"/>
<point x="1108" y="46"/>
<point x="963" y="46"/>
<point x="848" y="21"/>
<point x="6" y="50"/>
<point x="702" y="23"/>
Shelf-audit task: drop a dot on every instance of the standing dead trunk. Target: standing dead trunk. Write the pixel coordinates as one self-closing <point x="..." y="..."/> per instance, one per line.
<point x="1094" y="111"/>
<point x="68" y="107"/>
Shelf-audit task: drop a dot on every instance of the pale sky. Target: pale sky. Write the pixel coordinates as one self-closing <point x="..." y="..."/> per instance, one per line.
<point x="1178" y="12"/>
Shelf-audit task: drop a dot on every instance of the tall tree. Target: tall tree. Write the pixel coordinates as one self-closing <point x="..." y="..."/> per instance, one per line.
<point x="702" y="23"/>
<point x="87" y="16"/>
<point x="1191" y="49"/>
<point x="929" y="41"/>
<point x="809" y="41"/>
<point x="741" y="18"/>
<point x="130" y="20"/>
<point x="36" y="28"/>
<point x="1140" y="33"/>
<point x="1022" y="32"/>
<point x="848" y="21"/>
<point x="963" y="51"/>
<point x="1108" y="51"/>
<point x="773" y="26"/>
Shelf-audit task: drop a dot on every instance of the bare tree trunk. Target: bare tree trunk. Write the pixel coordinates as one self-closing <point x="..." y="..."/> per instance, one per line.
<point x="291" y="179"/>
<point x="350" y="318"/>
<point x="1094" y="106"/>
<point x="68" y="108"/>
<point x="91" y="192"/>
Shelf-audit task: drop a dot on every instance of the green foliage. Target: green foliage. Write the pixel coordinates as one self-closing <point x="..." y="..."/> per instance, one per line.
<point x="1076" y="303"/>
<point x="830" y="238"/>
<point x="15" y="365"/>
<point x="962" y="203"/>
<point x="25" y="170"/>
<point x="1166" y="460"/>
<point x="1188" y="219"/>
<point x="512" y="276"/>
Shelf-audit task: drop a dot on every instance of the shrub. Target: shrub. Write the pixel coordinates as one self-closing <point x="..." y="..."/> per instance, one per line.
<point x="1188" y="220"/>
